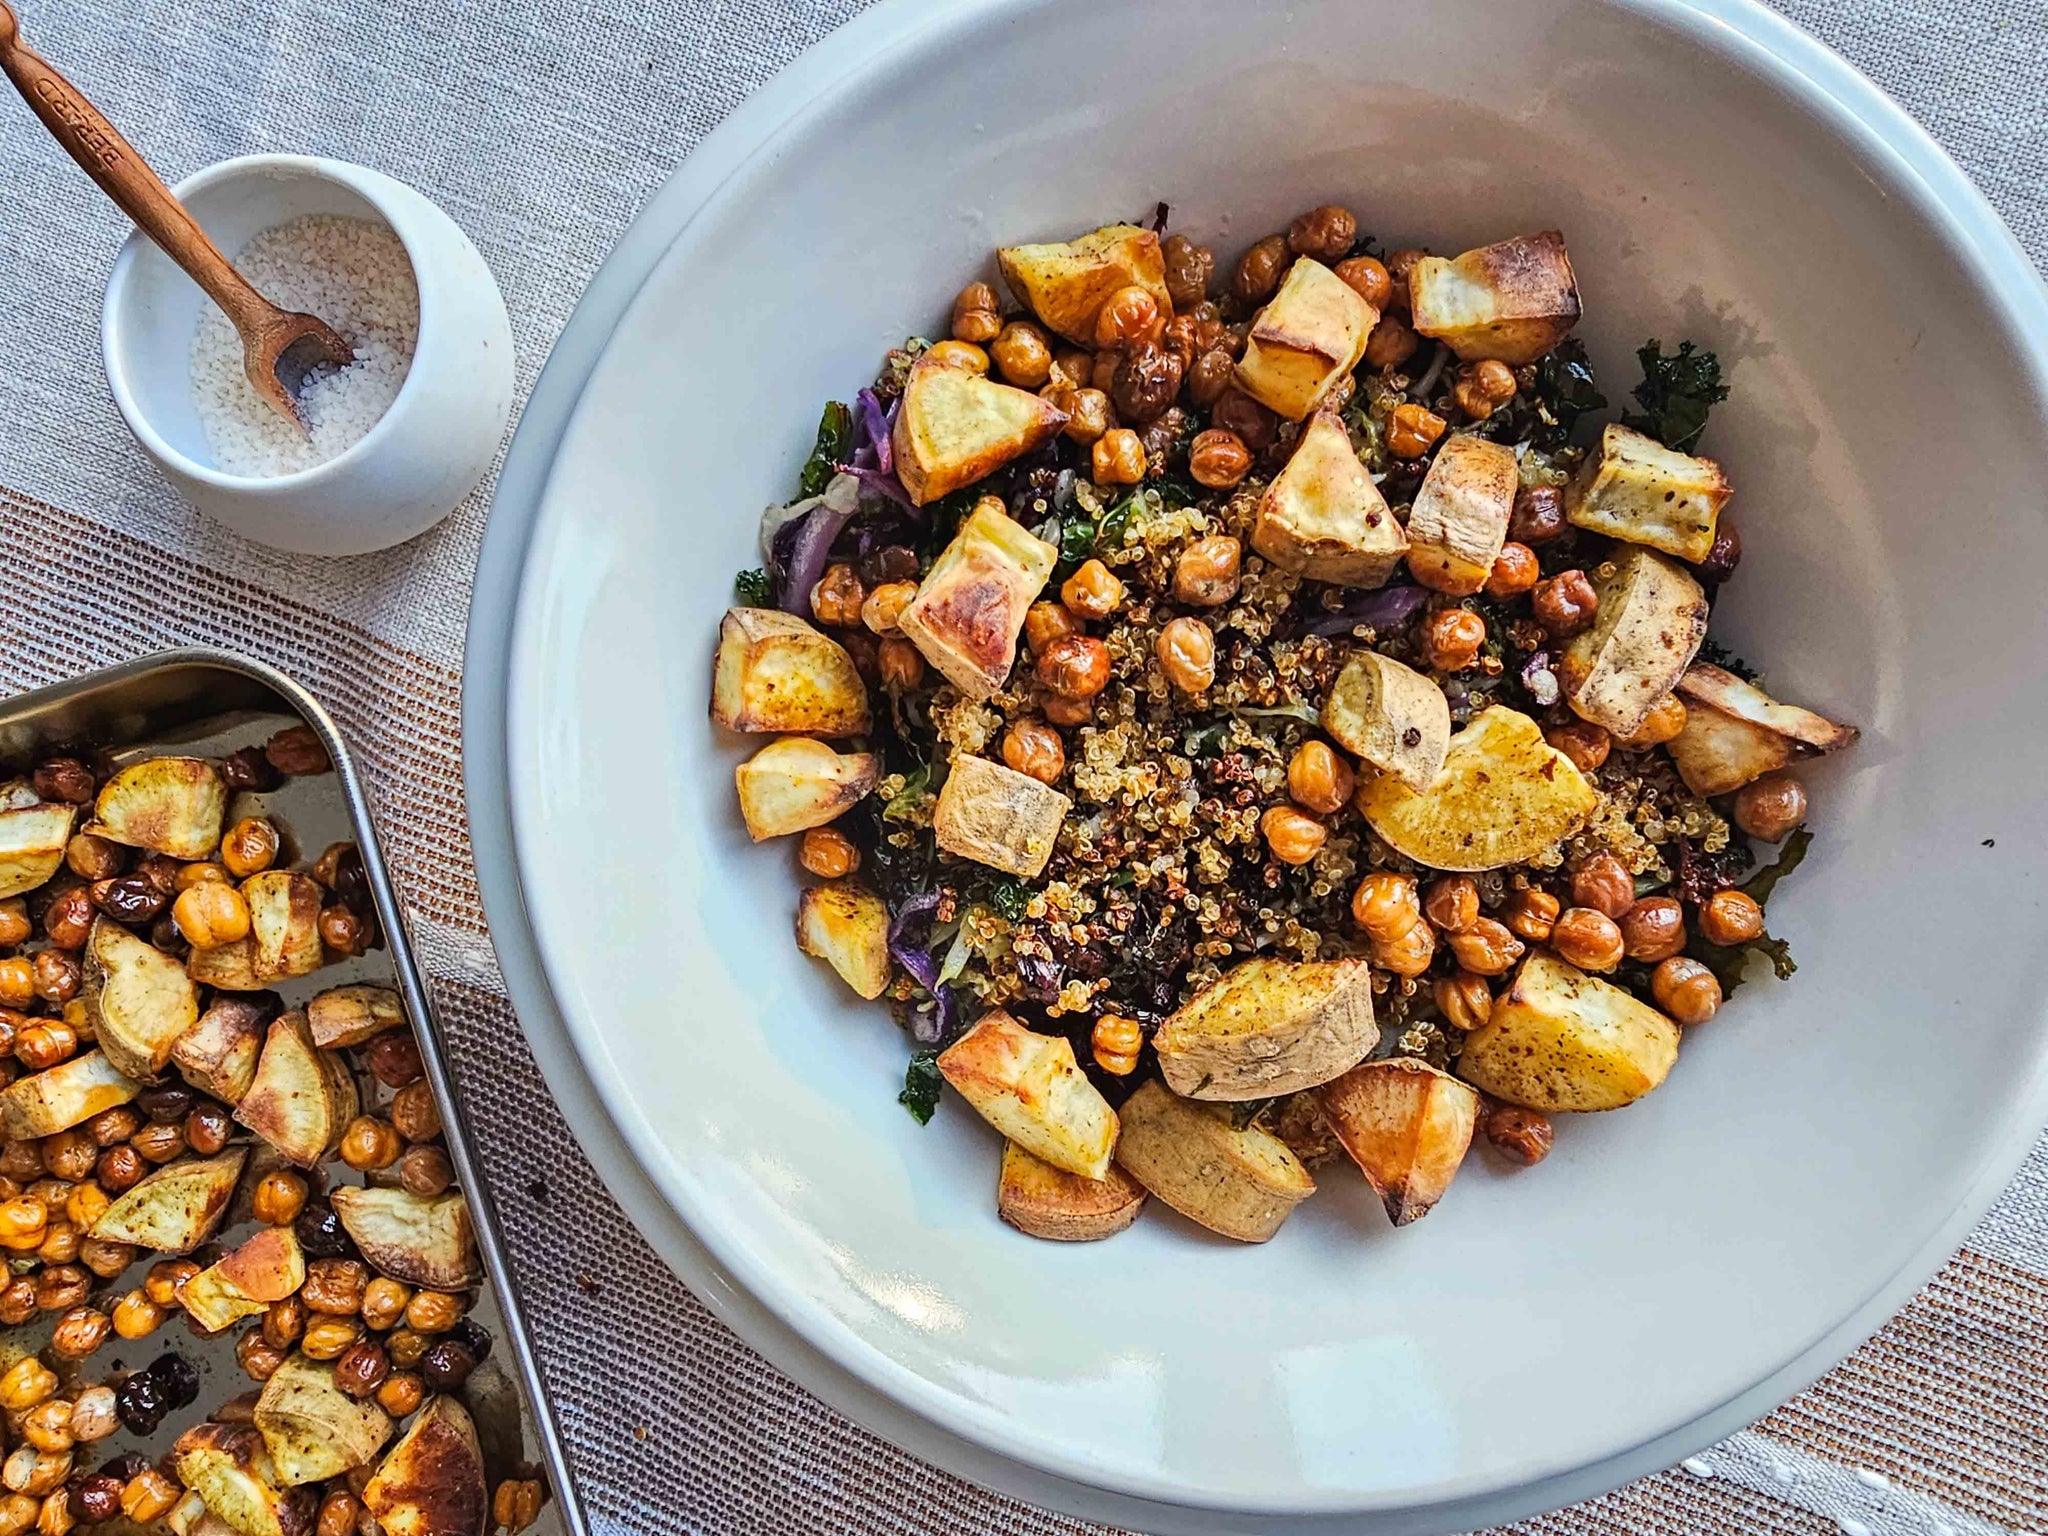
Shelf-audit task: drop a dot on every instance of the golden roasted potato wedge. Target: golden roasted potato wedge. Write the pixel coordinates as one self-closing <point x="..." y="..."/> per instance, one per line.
<point x="138" y="999"/>
<point x="1390" y="715"/>
<point x="1735" y="732"/>
<point x="1503" y="796"/>
<point x="1406" y="1125"/>
<point x="190" y="1517"/>
<point x="971" y="605"/>
<point x="230" y="967"/>
<point x="268" y="1267"/>
<point x="1513" y="301"/>
<point x="1029" y="1087"/>
<point x="32" y="841"/>
<point x="847" y="926"/>
<point x="997" y="816"/>
<point x="59" y="1097"/>
<point x="1065" y="283"/>
<point x="284" y="924"/>
<point x="172" y="805"/>
<point x="1269" y="1027"/>
<point x="797" y="782"/>
<point x="1651" y="619"/>
<point x="957" y="427"/>
<point x="1460" y="517"/>
<point x="345" y="1016"/>
<point x="409" y="1237"/>
<point x="218" y="1054"/>
<point x="229" y="1467"/>
<point x="302" y="1097"/>
<point x="176" y="1208"/>
<point x="1323" y="518"/>
<point x="1238" y="1181"/>
<point x="1310" y="334"/>
<point x="1638" y="490"/>
<point x="1559" y="1039"/>
<point x="776" y="673"/>
<point x="1040" y="1200"/>
<point x="432" y="1481"/>
<point x="312" y="1429"/>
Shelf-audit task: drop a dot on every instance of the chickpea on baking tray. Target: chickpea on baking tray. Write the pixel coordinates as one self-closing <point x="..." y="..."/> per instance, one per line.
<point x="170" y="1137"/>
<point x="1319" y="745"/>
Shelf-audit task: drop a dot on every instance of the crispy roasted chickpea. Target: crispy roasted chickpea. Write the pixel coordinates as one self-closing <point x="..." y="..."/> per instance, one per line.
<point x="1218" y="459"/>
<point x="964" y="355"/>
<point x="69" y="1155"/>
<point x="1255" y="426"/>
<point x="1292" y="836"/>
<point x="1663" y="723"/>
<point x="1452" y="637"/>
<point x="15" y="928"/>
<point x="1034" y="749"/>
<point x="1529" y="914"/>
<point x="120" y="1169"/>
<point x="414" y="1112"/>
<point x="64" y="779"/>
<point x="1483" y="388"/>
<point x="1022" y="353"/>
<point x="94" y="858"/>
<point x="1209" y="375"/>
<point x="211" y="914"/>
<point x="159" y="1143"/>
<point x="340" y="1509"/>
<point x="61" y="1286"/>
<point x="1538" y="515"/>
<point x="17" y="1301"/>
<point x="17" y="982"/>
<point x="1128" y="315"/>
<point x="279" y="1197"/>
<point x="1117" y="458"/>
<point x="1319" y="779"/>
<point x="1464" y="1000"/>
<point x="1585" y="743"/>
<point x="284" y="1322"/>
<point x="976" y="317"/>
<point x="249" y="847"/>
<point x="370" y="1143"/>
<point x="1075" y="667"/>
<point x="835" y="599"/>
<point x="1385" y="905"/>
<point x="882" y="607"/>
<point x="1186" y="649"/>
<point x="1408" y="954"/>
<point x="326" y="1338"/>
<point x="1653" y="929"/>
<point x="1146" y="380"/>
<point x="1367" y="277"/>
<point x="58" y="977"/>
<point x="46" y="1042"/>
<point x="79" y="1332"/>
<point x="148" y="1496"/>
<point x="1093" y="591"/>
<point x="1412" y="430"/>
<point x="1770" y="807"/>
<point x="401" y="1393"/>
<point x="1603" y="883"/>
<point x="1730" y="917"/>
<point x="135" y="1316"/>
<point x="433" y="1312"/>
<point x="516" y="1502"/>
<point x="94" y="1415"/>
<point x="1115" y="1042"/>
<point x="161" y="1284"/>
<point x="1452" y="903"/>
<point x="1089" y="416"/>
<point x="1102" y="368"/>
<point x="25" y="1384"/>
<point x="1209" y="571"/>
<point x="1325" y="233"/>
<point x="107" y="1260"/>
<point x="827" y="853"/>
<point x="1565" y="604"/>
<point x="1260" y="269"/>
<point x="1587" y="938"/>
<point x="1486" y="948"/>
<point x="1514" y="571"/>
<point x="69" y="917"/>
<point x="425" y="1171"/>
<point x="1525" y="1135"/>
<point x="901" y="662"/>
<point x="1686" y="990"/>
<point x="59" y="1244"/>
<point x="258" y="1358"/>
<point x="1392" y="342"/>
<point x="1189" y="269"/>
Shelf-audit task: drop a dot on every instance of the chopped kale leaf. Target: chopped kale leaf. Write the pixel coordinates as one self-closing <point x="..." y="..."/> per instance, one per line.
<point x="1676" y="394"/>
<point x="1564" y="383"/>
<point x="1760" y="885"/>
<point x="1717" y="654"/>
<point x="835" y="437"/>
<point x="752" y="589"/>
<point x="921" y="1084"/>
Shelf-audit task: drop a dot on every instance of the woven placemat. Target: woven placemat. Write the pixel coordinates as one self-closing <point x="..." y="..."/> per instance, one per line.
<point x="1940" y="1423"/>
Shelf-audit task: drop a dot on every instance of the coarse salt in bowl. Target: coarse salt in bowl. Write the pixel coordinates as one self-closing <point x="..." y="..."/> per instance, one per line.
<point x="397" y="438"/>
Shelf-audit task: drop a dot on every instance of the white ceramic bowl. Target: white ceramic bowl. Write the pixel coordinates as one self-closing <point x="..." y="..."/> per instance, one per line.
<point x="1670" y="1271"/>
<point x="431" y="446"/>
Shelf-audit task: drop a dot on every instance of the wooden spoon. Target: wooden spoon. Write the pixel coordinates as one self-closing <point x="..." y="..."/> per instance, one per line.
<point x="279" y="348"/>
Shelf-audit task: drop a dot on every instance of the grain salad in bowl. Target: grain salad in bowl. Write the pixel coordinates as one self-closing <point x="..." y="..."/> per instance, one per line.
<point x="1243" y="720"/>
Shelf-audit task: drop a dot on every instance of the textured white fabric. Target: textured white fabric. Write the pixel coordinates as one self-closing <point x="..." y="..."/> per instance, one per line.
<point x="541" y="127"/>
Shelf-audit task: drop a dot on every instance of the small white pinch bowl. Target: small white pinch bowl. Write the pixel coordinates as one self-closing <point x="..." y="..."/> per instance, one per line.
<point x="427" y="451"/>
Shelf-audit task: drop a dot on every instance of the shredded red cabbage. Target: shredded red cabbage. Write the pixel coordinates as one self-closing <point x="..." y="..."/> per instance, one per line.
<point x="1388" y="608"/>
<point x="909" y="930"/>
<point x="1539" y="679"/>
<point x="812" y="551"/>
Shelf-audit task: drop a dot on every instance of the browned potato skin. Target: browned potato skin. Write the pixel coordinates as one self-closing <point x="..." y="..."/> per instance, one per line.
<point x="997" y="816"/>
<point x="424" y="1242"/>
<point x="957" y="427"/>
<point x="1042" y="1201"/>
<point x="1406" y="1125"/>
<point x="353" y="1015"/>
<point x="1530" y="298"/>
<point x="432" y="1482"/>
<point x="32" y="842"/>
<point x="229" y="1466"/>
<point x="176" y="1208"/>
<point x="1028" y="1086"/>
<point x="230" y="968"/>
<point x="1651" y="620"/>
<point x="313" y="1429"/>
<point x="62" y="1096"/>
<point x="172" y="805"/>
<point x="1460" y="517"/>
<point x="1241" y="1183"/>
<point x="138" y="999"/>
<point x="1391" y="716"/>
<point x="1066" y="283"/>
<point x="1310" y="334"/>
<point x="302" y="1098"/>
<point x="775" y="673"/>
<point x="218" y="1055"/>
<point x="284" y="922"/>
<point x="1269" y="1027"/>
<point x="1322" y="516"/>
<point x="846" y="925"/>
<point x="796" y="783"/>
<point x="1705" y="683"/>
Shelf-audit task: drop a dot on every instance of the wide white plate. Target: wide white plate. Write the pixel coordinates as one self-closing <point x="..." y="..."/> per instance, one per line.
<point x="1820" y="1146"/>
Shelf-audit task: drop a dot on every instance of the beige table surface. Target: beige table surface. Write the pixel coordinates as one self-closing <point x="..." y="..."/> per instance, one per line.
<point x="541" y="127"/>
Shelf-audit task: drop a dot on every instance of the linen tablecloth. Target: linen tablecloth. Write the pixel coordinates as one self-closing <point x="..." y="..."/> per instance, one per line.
<point x="541" y="127"/>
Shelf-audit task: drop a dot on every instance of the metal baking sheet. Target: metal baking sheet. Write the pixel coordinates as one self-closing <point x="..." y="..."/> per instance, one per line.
<point x="209" y="703"/>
